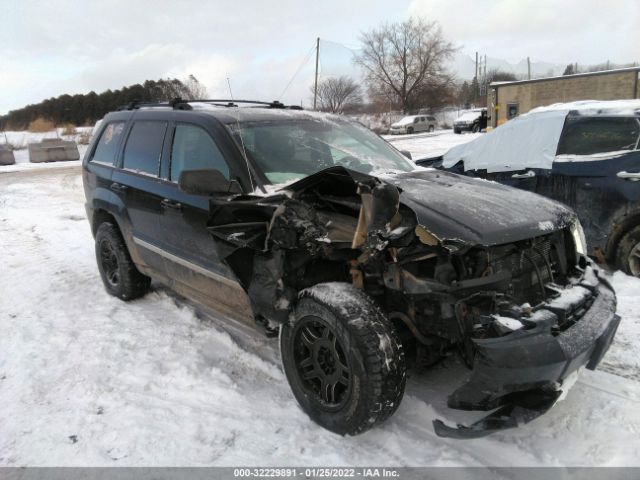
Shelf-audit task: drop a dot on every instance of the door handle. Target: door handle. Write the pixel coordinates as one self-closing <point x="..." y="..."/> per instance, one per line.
<point x="634" y="177"/>
<point x="167" y="203"/>
<point x="528" y="174"/>
<point x="117" y="187"/>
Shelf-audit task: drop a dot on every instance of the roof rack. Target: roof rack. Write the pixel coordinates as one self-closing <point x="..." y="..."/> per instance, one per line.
<point x="180" y="104"/>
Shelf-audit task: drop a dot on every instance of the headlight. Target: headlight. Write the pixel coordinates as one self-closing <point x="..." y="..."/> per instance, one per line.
<point x="578" y="238"/>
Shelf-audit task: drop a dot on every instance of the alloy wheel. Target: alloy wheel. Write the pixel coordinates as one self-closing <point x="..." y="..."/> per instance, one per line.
<point x="109" y="261"/>
<point x="322" y="365"/>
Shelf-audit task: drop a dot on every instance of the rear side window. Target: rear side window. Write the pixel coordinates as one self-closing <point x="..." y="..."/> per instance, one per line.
<point x="589" y="135"/>
<point x="194" y="149"/>
<point x="107" y="147"/>
<point x="144" y="147"/>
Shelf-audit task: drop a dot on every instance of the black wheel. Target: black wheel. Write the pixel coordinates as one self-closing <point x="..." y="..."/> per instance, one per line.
<point x="343" y="359"/>
<point x="476" y="128"/>
<point x="432" y="128"/>
<point x="455" y="130"/>
<point x="410" y="130"/>
<point x="120" y="276"/>
<point x="629" y="252"/>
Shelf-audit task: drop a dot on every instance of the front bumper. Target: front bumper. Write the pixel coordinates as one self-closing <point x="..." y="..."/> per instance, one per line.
<point x="524" y="371"/>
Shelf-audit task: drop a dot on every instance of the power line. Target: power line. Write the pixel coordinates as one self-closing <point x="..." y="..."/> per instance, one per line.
<point x="304" y="62"/>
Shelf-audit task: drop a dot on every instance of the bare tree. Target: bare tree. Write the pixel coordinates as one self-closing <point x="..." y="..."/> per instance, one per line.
<point x="497" y="75"/>
<point x="194" y="90"/>
<point x="403" y="58"/>
<point x="338" y="94"/>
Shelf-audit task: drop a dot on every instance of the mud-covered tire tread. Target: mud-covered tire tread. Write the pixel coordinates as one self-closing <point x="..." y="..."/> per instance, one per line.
<point x="386" y="384"/>
<point x="625" y="246"/>
<point x="133" y="284"/>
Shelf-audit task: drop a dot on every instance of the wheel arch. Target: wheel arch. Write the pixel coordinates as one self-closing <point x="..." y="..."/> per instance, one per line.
<point x="620" y="227"/>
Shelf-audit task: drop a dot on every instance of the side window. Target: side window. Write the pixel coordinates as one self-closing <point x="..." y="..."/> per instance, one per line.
<point x="415" y="120"/>
<point x="108" y="144"/>
<point x="144" y="147"/>
<point x="194" y="149"/>
<point x="589" y="135"/>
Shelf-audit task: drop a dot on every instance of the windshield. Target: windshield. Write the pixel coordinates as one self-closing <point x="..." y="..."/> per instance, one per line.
<point x="288" y="150"/>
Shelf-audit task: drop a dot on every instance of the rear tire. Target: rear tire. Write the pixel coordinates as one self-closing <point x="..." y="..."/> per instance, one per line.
<point x="432" y="129"/>
<point x="628" y="258"/>
<point x="343" y="359"/>
<point x="119" y="274"/>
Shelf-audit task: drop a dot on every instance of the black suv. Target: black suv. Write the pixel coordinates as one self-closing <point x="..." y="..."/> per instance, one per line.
<point x="311" y="226"/>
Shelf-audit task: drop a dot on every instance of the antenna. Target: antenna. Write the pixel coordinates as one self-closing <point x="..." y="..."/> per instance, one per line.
<point x="244" y="151"/>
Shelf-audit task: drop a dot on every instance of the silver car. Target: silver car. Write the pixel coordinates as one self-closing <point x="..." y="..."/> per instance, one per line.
<point x="414" y="124"/>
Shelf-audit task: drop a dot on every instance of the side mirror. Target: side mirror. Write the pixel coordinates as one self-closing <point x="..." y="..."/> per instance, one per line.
<point x="206" y="183"/>
<point x="406" y="153"/>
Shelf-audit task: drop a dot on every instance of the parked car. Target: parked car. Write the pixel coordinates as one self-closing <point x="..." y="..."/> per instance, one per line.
<point x="583" y="154"/>
<point x="312" y="227"/>
<point x="471" y="121"/>
<point x="414" y="124"/>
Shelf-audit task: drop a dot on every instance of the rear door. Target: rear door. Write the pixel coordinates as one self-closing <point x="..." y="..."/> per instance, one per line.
<point x="596" y="172"/>
<point x="136" y="182"/>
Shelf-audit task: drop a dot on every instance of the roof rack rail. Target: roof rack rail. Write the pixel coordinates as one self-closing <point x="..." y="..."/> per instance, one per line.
<point x="180" y="104"/>
<point x="233" y="103"/>
<point x="176" y="104"/>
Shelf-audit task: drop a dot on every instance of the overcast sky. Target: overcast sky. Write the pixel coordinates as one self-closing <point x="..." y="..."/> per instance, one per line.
<point x="52" y="47"/>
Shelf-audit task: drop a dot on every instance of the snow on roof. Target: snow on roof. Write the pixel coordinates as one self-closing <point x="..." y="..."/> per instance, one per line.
<point x="531" y="139"/>
<point x="594" y="107"/>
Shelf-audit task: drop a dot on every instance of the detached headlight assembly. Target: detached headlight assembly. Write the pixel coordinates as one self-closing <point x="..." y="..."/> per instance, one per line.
<point x="578" y="237"/>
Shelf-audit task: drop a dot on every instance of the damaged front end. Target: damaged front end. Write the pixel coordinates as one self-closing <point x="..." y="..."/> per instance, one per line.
<point x="455" y="265"/>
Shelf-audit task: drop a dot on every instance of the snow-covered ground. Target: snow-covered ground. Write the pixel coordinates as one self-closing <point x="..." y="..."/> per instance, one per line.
<point x="86" y="379"/>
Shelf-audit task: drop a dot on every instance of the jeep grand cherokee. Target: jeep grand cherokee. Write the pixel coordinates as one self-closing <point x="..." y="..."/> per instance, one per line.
<point x="311" y="226"/>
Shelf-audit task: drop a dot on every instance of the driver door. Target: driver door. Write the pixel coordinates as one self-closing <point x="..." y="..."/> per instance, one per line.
<point x="192" y="259"/>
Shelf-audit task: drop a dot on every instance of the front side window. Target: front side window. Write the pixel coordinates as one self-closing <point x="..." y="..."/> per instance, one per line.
<point x="591" y="135"/>
<point x="107" y="147"/>
<point x="287" y="150"/>
<point x="194" y="149"/>
<point x="144" y="147"/>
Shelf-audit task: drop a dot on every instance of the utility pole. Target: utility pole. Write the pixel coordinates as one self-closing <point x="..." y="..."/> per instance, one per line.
<point x="315" y="85"/>
<point x="528" y="69"/>
<point x="475" y="93"/>
<point x="485" y="74"/>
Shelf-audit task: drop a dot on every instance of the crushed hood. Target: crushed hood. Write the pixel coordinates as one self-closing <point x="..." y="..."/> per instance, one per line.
<point x="454" y="207"/>
<point x="458" y="208"/>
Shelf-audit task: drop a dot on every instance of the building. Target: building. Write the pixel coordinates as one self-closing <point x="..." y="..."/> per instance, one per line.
<point x="509" y="99"/>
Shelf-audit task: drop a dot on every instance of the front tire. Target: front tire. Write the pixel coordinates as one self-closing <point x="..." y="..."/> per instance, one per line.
<point x="476" y="128"/>
<point x="410" y="130"/>
<point x="629" y="252"/>
<point x="119" y="274"/>
<point x="343" y="359"/>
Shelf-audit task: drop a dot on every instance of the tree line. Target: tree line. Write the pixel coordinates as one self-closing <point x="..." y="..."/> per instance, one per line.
<point x="86" y="109"/>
